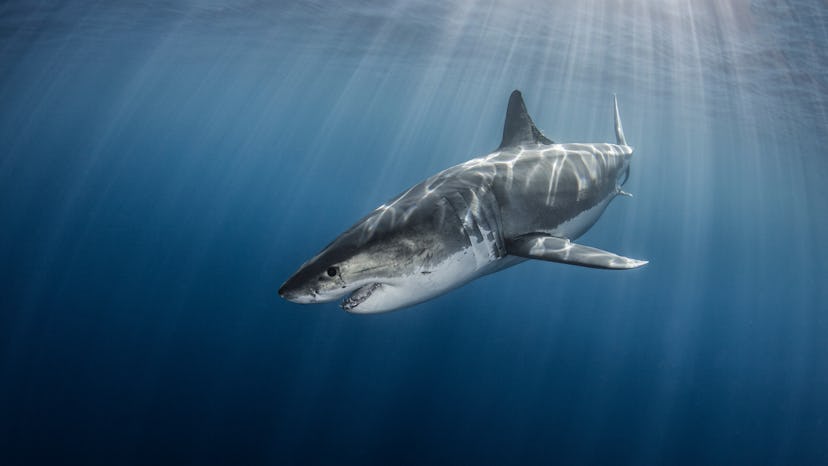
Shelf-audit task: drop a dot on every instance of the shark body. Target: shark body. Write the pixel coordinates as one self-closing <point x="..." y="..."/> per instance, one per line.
<point x="529" y="199"/>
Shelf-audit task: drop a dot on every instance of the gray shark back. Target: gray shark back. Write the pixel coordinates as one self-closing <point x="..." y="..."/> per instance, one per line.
<point x="524" y="190"/>
<point x="559" y="189"/>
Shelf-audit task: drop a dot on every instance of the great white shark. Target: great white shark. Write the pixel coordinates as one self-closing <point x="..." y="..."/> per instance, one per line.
<point x="529" y="199"/>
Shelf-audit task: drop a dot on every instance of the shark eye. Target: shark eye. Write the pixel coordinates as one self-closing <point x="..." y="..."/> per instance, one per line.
<point x="332" y="271"/>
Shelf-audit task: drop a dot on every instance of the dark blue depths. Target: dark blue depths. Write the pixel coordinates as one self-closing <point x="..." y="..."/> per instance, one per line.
<point x="164" y="168"/>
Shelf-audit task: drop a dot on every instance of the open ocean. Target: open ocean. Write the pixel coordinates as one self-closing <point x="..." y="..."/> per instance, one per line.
<point x="166" y="165"/>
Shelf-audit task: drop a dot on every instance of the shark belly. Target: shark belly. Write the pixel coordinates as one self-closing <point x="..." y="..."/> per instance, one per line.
<point x="483" y="252"/>
<point x="421" y="285"/>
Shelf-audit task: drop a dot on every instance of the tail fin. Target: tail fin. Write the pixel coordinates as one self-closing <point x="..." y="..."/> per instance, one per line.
<point x="619" y="131"/>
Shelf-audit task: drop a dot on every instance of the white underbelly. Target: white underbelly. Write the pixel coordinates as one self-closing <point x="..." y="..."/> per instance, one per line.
<point x="424" y="283"/>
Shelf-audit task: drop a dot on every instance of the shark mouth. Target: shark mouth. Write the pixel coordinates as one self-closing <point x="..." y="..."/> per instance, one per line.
<point x="359" y="296"/>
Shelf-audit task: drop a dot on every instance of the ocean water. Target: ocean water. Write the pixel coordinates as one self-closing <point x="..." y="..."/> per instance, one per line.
<point x="165" y="166"/>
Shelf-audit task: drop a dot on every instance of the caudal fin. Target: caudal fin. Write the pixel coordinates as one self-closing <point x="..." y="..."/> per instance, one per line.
<point x="619" y="131"/>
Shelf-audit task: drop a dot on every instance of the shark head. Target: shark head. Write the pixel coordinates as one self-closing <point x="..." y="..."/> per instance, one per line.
<point x="379" y="264"/>
<point x="359" y="276"/>
<point x="344" y="268"/>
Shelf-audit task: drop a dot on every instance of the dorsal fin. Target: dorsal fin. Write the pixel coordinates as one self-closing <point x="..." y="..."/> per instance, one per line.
<point x="519" y="128"/>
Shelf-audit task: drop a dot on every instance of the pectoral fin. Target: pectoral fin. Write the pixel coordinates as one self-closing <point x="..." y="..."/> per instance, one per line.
<point x="553" y="249"/>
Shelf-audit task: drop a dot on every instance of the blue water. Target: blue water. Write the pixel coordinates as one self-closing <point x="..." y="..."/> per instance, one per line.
<point x="164" y="166"/>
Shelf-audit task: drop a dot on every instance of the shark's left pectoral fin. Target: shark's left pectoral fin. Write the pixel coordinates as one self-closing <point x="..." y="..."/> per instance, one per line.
<point x="553" y="249"/>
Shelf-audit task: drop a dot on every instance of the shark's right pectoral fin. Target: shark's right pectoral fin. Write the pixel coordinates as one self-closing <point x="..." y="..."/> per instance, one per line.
<point x="553" y="249"/>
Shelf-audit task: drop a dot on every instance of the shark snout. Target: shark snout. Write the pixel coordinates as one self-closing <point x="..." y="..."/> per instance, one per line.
<point x="283" y="291"/>
<point x="296" y="296"/>
<point x="306" y="287"/>
<point x="294" y="291"/>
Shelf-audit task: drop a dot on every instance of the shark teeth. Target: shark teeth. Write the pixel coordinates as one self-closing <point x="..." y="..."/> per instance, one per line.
<point x="359" y="296"/>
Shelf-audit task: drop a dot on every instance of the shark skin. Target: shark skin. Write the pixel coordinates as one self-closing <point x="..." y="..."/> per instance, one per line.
<point x="529" y="199"/>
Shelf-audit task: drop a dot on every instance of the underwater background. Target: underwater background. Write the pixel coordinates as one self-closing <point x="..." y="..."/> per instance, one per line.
<point x="165" y="166"/>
